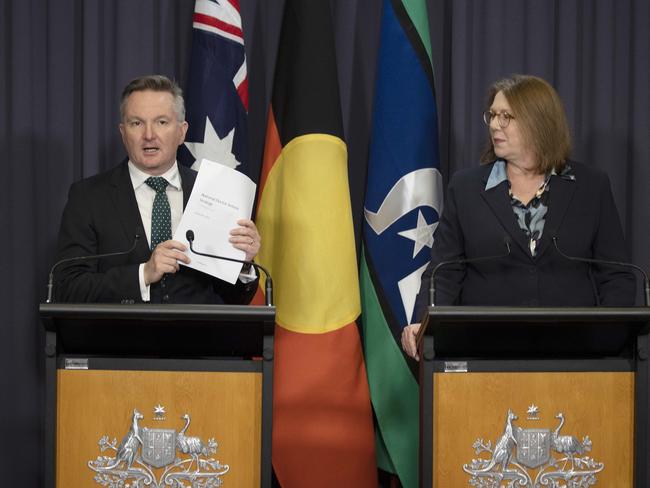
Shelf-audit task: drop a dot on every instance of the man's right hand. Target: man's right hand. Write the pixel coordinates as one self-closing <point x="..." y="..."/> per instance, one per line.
<point x="164" y="259"/>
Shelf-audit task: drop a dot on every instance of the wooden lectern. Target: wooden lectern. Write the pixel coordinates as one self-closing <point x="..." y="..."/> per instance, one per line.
<point x="534" y="396"/>
<point x="156" y="396"/>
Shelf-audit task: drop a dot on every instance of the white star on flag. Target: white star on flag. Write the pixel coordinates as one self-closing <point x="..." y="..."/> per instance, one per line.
<point x="421" y="235"/>
<point x="213" y="148"/>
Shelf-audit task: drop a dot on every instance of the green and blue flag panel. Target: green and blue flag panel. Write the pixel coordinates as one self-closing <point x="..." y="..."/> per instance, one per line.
<point x="402" y="207"/>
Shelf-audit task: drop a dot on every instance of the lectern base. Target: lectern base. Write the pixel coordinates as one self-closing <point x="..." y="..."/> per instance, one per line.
<point x="471" y="427"/>
<point x="181" y="424"/>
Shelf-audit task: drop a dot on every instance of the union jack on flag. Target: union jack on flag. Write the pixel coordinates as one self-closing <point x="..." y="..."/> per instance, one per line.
<point x="217" y="87"/>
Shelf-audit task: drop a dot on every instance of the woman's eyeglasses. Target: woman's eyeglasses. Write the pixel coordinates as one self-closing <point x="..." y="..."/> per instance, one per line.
<point x="502" y="117"/>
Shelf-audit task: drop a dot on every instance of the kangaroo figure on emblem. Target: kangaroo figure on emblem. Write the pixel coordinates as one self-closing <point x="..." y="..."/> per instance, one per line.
<point x="503" y="448"/>
<point x="128" y="448"/>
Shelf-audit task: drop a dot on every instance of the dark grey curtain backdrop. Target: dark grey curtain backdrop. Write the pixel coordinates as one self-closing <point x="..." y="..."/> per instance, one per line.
<point x="597" y="55"/>
<point x="63" y="64"/>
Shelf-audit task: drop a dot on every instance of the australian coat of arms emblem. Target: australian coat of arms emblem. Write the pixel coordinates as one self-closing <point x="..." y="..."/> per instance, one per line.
<point x="533" y="458"/>
<point x="156" y="458"/>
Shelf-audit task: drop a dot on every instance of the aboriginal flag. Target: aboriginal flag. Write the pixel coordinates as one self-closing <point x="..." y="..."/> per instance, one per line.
<point x="322" y="420"/>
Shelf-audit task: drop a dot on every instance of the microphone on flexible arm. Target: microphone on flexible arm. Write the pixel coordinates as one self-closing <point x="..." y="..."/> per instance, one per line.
<point x="50" y="282"/>
<point x="646" y="282"/>
<point x="442" y="264"/>
<point x="189" y="235"/>
<point x="432" y="280"/>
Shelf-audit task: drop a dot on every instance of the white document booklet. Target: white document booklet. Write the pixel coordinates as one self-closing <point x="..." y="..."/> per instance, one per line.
<point x="220" y="197"/>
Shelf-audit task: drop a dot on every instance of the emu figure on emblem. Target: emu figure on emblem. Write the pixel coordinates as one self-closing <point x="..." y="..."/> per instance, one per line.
<point x="191" y="445"/>
<point x="568" y="444"/>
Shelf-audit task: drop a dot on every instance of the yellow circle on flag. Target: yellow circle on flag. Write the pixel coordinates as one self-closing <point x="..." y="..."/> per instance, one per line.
<point x="305" y="220"/>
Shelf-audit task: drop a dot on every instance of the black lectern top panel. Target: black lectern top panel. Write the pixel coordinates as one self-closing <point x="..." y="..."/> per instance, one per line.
<point x="522" y="332"/>
<point x="159" y="330"/>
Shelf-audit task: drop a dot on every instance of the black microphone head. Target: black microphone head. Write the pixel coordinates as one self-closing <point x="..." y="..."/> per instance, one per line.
<point x="554" y="239"/>
<point x="507" y="242"/>
<point x="189" y="235"/>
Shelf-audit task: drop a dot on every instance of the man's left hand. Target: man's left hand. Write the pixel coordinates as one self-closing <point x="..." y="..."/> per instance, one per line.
<point x="246" y="238"/>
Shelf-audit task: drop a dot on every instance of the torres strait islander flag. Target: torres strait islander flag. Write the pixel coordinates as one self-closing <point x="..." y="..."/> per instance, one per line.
<point x="217" y="89"/>
<point x="322" y="419"/>
<point x="402" y="206"/>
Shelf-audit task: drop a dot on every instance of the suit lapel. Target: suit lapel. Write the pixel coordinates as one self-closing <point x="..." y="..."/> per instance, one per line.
<point x="188" y="177"/>
<point x="560" y="195"/>
<point x="498" y="200"/>
<point x="126" y="210"/>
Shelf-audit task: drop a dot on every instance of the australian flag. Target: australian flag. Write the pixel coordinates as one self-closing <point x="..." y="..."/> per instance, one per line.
<point x="217" y="88"/>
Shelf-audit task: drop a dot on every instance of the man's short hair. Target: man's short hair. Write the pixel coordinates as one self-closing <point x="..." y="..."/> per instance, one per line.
<point x="157" y="83"/>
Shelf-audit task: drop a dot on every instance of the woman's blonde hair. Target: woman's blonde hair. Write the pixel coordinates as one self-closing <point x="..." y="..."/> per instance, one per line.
<point x="540" y="114"/>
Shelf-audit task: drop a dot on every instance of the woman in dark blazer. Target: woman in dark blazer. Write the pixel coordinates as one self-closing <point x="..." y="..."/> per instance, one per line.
<point x="526" y="203"/>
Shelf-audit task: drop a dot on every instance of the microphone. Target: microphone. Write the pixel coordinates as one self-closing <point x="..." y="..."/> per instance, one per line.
<point x="646" y="282"/>
<point x="432" y="281"/>
<point x="189" y="235"/>
<point x="442" y="264"/>
<point x="50" y="282"/>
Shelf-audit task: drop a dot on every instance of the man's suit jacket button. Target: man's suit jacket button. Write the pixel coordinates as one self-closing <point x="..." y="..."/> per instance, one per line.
<point x="165" y="298"/>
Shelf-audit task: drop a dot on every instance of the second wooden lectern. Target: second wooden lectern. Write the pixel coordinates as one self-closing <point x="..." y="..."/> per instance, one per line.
<point x="534" y="397"/>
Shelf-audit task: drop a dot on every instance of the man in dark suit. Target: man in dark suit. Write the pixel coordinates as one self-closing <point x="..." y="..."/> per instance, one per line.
<point x="144" y="196"/>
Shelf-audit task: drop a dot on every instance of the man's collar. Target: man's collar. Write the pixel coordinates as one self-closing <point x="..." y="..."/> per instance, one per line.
<point x="138" y="176"/>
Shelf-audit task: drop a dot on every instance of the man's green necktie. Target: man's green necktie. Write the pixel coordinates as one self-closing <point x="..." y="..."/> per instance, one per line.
<point x="161" y="215"/>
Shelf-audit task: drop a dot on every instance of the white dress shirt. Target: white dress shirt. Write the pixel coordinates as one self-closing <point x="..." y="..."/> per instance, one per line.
<point x="144" y="195"/>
